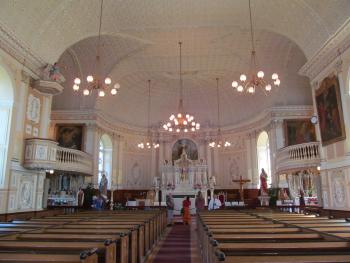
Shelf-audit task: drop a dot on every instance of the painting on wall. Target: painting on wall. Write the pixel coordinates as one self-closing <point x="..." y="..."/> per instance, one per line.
<point x="330" y="112"/>
<point x="299" y="131"/>
<point x="185" y="144"/>
<point x="70" y="136"/>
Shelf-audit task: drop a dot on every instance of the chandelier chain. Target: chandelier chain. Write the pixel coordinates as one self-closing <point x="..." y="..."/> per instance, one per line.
<point x="181" y="82"/>
<point x="251" y="27"/>
<point x="218" y="101"/>
<point x="149" y="106"/>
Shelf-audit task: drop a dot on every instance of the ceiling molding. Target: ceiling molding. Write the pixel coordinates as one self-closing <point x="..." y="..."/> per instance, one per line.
<point x="20" y="51"/>
<point x="329" y="52"/>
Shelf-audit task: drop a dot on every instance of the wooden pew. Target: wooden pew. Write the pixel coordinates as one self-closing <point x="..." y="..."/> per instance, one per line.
<point x="240" y="247"/>
<point x="88" y="257"/>
<point x="106" y="251"/>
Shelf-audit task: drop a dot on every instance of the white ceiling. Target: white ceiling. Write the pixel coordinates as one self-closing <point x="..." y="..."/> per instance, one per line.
<point x="140" y="43"/>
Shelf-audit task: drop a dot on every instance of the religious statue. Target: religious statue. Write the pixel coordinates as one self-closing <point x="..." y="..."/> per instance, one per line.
<point x="80" y="197"/>
<point x="263" y="182"/>
<point x="212" y="182"/>
<point x="103" y="186"/>
<point x="52" y="73"/>
<point x="183" y="165"/>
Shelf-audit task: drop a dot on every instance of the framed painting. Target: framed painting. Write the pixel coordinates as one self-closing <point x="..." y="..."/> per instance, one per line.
<point x="330" y="112"/>
<point x="70" y="136"/>
<point x="299" y="131"/>
<point x="185" y="144"/>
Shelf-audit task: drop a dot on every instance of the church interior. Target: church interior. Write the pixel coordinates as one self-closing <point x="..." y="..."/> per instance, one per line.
<point x="174" y="131"/>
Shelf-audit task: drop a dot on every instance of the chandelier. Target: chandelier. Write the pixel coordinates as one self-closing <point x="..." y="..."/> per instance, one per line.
<point x="182" y="121"/>
<point x="255" y="80"/>
<point x="97" y="83"/>
<point x="219" y="142"/>
<point x="148" y="144"/>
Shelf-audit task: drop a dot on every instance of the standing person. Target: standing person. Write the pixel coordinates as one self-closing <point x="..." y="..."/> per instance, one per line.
<point x="214" y="203"/>
<point x="199" y="202"/>
<point x="170" y="208"/>
<point x="186" y="217"/>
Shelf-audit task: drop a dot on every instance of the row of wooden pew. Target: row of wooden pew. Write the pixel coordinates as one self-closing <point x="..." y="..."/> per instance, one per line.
<point x="88" y="237"/>
<point x="233" y="236"/>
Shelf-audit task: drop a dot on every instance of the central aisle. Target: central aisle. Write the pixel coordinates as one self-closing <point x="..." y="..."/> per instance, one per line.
<point x="176" y="247"/>
<point x="179" y="245"/>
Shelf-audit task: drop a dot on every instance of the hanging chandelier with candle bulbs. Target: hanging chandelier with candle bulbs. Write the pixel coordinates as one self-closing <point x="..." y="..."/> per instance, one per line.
<point x="181" y="121"/>
<point x="97" y="83"/>
<point x="149" y="143"/>
<point x="255" y="79"/>
<point x="219" y="140"/>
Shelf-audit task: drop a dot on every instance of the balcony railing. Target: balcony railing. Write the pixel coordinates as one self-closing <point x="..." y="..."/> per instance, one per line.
<point x="46" y="155"/>
<point x="298" y="156"/>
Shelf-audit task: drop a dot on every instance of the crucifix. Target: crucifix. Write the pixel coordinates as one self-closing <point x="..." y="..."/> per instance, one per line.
<point x="241" y="183"/>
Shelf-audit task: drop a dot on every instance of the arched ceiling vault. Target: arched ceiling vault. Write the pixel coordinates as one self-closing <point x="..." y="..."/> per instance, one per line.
<point x="140" y="42"/>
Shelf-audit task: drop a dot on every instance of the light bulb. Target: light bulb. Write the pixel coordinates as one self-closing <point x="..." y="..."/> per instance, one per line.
<point x="179" y="115"/>
<point x="75" y="87"/>
<point x="170" y="129"/>
<point x="90" y="78"/>
<point x="114" y="91"/>
<point x="268" y="87"/>
<point x="234" y="84"/>
<point x="86" y="92"/>
<point x="188" y="116"/>
<point x="108" y="81"/>
<point x="274" y="76"/>
<point x="101" y="93"/>
<point x="243" y="77"/>
<point x="185" y="122"/>
<point x="193" y="123"/>
<point x="168" y="124"/>
<point x="77" y="81"/>
<point x="117" y="86"/>
<point x="177" y="130"/>
<point x="193" y="129"/>
<point x="277" y="82"/>
<point x="51" y="171"/>
<point x="240" y="88"/>
<point x="172" y="117"/>
<point x="251" y="90"/>
<point x="260" y="74"/>
<point x="185" y="130"/>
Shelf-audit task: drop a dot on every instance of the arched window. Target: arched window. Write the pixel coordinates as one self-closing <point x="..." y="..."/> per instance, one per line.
<point x="6" y="101"/>
<point x="263" y="153"/>
<point x="105" y="158"/>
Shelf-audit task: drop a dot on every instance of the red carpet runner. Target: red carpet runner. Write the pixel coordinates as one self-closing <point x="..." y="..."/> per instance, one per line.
<point x="176" y="247"/>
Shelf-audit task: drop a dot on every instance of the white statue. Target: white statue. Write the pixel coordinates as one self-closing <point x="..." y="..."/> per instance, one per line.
<point x="212" y="182"/>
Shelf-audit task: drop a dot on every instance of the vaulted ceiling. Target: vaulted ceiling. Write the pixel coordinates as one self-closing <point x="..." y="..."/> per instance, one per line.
<point x="140" y="43"/>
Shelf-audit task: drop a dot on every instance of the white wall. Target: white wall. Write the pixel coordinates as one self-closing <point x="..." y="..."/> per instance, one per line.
<point x="21" y="189"/>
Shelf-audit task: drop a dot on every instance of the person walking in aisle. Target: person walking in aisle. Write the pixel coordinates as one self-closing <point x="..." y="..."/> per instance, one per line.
<point x="186" y="217"/>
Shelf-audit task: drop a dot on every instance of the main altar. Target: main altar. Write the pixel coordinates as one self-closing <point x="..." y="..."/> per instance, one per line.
<point x="184" y="177"/>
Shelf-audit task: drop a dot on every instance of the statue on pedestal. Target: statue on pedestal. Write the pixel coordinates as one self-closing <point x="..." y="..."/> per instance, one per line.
<point x="263" y="182"/>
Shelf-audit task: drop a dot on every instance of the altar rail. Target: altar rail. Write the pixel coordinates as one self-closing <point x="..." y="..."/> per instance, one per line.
<point x="298" y="156"/>
<point x="45" y="154"/>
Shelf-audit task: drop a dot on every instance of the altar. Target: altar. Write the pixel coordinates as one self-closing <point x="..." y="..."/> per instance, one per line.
<point x="184" y="178"/>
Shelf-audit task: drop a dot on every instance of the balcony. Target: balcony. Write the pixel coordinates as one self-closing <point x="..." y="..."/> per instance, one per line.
<point x="45" y="154"/>
<point x="300" y="156"/>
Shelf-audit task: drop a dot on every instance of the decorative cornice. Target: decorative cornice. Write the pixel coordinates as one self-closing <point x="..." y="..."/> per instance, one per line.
<point x="20" y="51"/>
<point x="261" y="121"/>
<point x="335" y="45"/>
